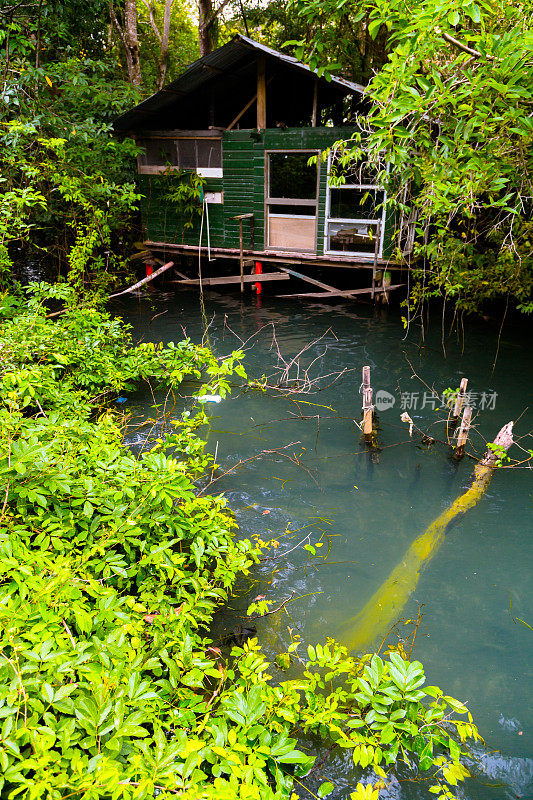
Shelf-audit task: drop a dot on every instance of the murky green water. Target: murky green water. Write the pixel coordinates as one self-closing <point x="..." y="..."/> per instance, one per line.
<point x="369" y="510"/>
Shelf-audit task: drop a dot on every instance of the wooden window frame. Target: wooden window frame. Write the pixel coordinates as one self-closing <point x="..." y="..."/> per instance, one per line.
<point x="290" y="201"/>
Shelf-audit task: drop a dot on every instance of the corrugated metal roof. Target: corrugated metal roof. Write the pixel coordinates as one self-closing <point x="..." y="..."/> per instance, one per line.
<point x="353" y="87"/>
<point x="223" y="58"/>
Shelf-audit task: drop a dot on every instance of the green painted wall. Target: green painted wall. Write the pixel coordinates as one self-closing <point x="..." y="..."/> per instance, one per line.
<point x="243" y="184"/>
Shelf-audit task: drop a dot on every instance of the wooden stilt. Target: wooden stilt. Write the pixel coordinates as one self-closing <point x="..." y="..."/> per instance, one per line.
<point x="261" y="92"/>
<point x="241" y="255"/>
<point x="460" y="399"/>
<point x="314" y="114"/>
<point x="375" y="262"/>
<point x="463" y="432"/>
<point x="366" y="377"/>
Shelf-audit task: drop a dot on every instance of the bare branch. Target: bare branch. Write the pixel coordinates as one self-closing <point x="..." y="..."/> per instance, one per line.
<point x="213" y="18"/>
<point x="464" y="47"/>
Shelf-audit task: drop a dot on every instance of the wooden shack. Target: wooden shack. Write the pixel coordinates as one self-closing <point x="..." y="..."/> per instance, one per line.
<point x="247" y="119"/>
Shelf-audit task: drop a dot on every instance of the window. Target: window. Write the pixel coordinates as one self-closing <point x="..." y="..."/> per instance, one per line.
<point x="355" y="211"/>
<point x="291" y="176"/>
<point x="193" y="153"/>
<point x="291" y="200"/>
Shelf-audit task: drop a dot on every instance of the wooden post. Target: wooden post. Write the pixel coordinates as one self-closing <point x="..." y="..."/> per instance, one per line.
<point x="261" y="92"/>
<point x="367" y="412"/>
<point x="366" y="377"/>
<point x="241" y="254"/>
<point x="367" y="403"/>
<point x="463" y="432"/>
<point x="460" y="399"/>
<point x="375" y="263"/>
<point x="315" y="103"/>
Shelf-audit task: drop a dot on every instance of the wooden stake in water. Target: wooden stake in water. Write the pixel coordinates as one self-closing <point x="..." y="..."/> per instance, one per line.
<point x="463" y="432"/>
<point x="367" y="403"/>
<point x="460" y="399"/>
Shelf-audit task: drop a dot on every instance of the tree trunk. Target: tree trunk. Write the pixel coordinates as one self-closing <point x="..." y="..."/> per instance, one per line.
<point x="132" y="42"/>
<point x="163" y="56"/>
<point x="386" y="605"/>
<point x="205" y="27"/>
<point x="162" y="37"/>
<point x="129" y="39"/>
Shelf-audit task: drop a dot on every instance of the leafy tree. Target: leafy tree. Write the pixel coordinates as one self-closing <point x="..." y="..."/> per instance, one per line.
<point x="183" y="38"/>
<point x="65" y="176"/>
<point x="450" y="113"/>
<point x="340" y="40"/>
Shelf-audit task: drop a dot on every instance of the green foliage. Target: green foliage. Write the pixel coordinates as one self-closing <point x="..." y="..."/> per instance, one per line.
<point x="185" y="191"/>
<point x="500" y="452"/>
<point x="111" y="568"/>
<point x="454" y="127"/>
<point x="66" y="179"/>
<point x="329" y="39"/>
<point x="52" y="29"/>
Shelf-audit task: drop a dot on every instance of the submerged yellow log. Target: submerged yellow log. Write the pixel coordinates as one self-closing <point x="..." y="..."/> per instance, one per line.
<point x="386" y="605"/>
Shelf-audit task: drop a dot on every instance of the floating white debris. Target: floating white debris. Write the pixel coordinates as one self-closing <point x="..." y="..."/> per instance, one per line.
<point x="209" y="398"/>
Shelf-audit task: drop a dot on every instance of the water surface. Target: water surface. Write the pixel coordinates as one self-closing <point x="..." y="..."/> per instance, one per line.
<point x="367" y="510"/>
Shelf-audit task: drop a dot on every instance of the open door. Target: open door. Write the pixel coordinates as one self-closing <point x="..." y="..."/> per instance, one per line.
<point x="291" y="201"/>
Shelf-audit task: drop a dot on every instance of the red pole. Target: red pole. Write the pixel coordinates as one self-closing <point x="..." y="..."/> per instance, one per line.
<point x="258" y="271"/>
<point x="149" y="270"/>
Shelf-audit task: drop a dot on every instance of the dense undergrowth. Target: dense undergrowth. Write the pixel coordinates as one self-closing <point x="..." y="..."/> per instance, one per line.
<point x="111" y="567"/>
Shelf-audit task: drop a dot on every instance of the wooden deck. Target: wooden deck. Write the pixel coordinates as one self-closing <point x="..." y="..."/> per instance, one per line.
<point x="278" y="257"/>
<point x="281" y="260"/>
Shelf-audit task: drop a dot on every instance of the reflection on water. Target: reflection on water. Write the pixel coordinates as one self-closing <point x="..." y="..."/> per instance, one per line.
<point x="368" y="511"/>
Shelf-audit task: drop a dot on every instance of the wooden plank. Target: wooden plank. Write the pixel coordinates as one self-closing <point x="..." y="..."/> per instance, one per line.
<point x="261" y="92"/>
<point x="223" y="280"/>
<point x="242" y="112"/>
<point x="308" y="279"/>
<point x="210" y="133"/>
<point x="144" y="280"/>
<point x="292" y="231"/>
<point x="336" y="293"/>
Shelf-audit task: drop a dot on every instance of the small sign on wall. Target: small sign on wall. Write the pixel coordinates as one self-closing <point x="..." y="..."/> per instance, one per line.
<point x="214" y="197"/>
